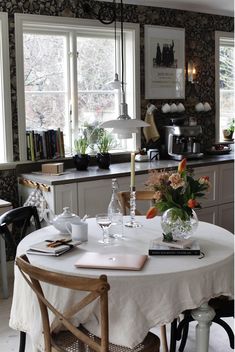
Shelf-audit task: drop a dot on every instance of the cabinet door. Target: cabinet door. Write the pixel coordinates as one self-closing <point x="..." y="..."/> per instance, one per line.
<point x="208" y="215"/>
<point x="226" y="216"/>
<point x="65" y="196"/>
<point x="226" y="183"/>
<point x="94" y="196"/>
<point x="211" y="197"/>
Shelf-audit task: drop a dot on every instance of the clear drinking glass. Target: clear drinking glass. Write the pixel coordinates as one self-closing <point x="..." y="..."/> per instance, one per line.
<point x="104" y="221"/>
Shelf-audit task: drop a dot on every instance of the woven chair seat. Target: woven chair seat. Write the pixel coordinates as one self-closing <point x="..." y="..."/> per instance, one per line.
<point x="66" y="341"/>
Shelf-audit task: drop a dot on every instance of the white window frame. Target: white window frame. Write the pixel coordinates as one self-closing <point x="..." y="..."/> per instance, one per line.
<point x="5" y="114"/>
<point x="218" y="36"/>
<point x="49" y="22"/>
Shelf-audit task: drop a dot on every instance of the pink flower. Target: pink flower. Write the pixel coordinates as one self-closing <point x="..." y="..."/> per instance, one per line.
<point x="204" y="180"/>
<point x="176" y="181"/>
<point x="157" y="195"/>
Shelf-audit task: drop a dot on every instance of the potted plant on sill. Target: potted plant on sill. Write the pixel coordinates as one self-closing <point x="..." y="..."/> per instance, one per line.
<point x="81" y="159"/>
<point x="228" y="132"/>
<point x="104" y="143"/>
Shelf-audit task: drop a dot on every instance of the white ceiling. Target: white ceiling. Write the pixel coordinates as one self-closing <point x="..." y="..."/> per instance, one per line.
<point x="217" y="7"/>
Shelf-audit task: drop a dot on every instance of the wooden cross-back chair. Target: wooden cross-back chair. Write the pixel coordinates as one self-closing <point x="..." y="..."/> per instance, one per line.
<point x="14" y="225"/>
<point x="76" y="338"/>
<point x="124" y="198"/>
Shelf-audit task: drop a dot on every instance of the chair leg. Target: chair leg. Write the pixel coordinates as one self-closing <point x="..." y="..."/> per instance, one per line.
<point x="173" y="335"/>
<point x="227" y="329"/>
<point x="184" y="338"/>
<point x="22" y="341"/>
<point x="163" y="338"/>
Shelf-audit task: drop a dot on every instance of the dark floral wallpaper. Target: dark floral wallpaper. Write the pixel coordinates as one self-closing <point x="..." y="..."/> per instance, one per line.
<point x="199" y="46"/>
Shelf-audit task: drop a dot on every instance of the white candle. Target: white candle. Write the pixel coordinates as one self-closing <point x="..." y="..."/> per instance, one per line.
<point x="132" y="170"/>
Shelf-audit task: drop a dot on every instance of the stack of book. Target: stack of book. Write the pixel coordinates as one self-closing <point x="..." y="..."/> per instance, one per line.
<point x="179" y="247"/>
<point x="45" y="144"/>
<point x="53" y="247"/>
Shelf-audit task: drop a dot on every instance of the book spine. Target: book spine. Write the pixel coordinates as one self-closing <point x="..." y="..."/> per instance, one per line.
<point x="174" y="252"/>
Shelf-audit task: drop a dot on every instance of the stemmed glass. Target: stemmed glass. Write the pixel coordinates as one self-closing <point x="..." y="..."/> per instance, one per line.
<point x="104" y="221"/>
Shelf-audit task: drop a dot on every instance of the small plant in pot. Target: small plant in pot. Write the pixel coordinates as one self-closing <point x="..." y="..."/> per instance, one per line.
<point x="81" y="159"/>
<point x="105" y="142"/>
<point x="228" y="132"/>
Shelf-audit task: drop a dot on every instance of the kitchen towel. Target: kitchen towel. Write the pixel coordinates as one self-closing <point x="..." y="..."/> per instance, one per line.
<point x="151" y="132"/>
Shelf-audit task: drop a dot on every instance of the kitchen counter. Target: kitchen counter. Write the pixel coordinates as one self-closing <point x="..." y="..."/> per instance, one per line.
<point x="121" y="169"/>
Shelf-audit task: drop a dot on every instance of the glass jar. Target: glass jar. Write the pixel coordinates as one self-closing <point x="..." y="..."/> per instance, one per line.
<point x="179" y="223"/>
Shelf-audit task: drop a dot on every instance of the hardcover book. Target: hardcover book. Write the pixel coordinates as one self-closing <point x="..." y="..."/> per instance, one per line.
<point x="54" y="247"/>
<point x="163" y="248"/>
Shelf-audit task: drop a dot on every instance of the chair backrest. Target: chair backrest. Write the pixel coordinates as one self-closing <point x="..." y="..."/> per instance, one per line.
<point x="124" y="198"/>
<point x="19" y="218"/>
<point x="96" y="288"/>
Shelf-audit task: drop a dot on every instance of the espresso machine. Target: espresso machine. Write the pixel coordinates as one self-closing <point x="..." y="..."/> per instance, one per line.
<point x="183" y="142"/>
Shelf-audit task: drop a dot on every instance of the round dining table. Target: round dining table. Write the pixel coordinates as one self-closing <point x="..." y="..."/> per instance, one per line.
<point x="138" y="300"/>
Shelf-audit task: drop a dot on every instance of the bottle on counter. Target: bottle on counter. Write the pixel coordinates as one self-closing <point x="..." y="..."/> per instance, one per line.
<point x="115" y="210"/>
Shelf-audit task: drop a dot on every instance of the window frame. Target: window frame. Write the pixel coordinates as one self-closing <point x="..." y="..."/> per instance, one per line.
<point x="218" y="36"/>
<point x="23" y="21"/>
<point x="6" y="121"/>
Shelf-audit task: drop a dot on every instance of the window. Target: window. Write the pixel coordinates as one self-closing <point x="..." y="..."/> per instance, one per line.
<point x="5" y="102"/>
<point x="224" y="64"/>
<point x="63" y="70"/>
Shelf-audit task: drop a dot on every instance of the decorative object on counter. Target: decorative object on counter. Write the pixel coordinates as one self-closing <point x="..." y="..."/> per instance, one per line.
<point x="53" y="168"/>
<point x="166" y="108"/>
<point x="228" y="132"/>
<point x="132" y="223"/>
<point x="81" y="159"/>
<point x="105" y="142"/>
<point x="173" y="108"/>
<point x="59" y="221"/>
<point x="219" y="149"/>
<point x="141" y="155"/>
<point x="153" y="154"/>
<point x="207" y="107"/>
<point x="180" y="108"/>
<point x="176" y="197"/>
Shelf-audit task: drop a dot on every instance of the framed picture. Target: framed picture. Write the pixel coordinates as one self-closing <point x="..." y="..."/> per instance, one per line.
<point x="164" y="62"/>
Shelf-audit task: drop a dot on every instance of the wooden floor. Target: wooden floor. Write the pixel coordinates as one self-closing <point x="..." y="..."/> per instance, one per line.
<point x="9" y="339"/>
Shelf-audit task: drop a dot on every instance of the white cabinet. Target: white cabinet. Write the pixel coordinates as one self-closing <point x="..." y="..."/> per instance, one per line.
<point x="209" y="214"/>
<point x="58" y="197"/>
<point x="65" y="196"/>
<point x="218" y="206"/>
<point x="94" y="196"/>
<point x="226" y="216"/>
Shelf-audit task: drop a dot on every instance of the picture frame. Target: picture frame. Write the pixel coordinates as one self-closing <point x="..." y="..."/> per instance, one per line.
<point x="164" y="62"/>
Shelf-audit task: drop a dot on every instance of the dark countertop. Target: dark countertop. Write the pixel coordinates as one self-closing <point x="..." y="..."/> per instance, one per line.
<point x="120" y="170"/>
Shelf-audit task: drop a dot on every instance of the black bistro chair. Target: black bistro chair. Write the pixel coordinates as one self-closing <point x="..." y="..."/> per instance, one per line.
<point x="15" y="224"/>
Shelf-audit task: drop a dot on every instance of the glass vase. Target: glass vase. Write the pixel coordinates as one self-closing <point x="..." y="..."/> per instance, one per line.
<point x="179" y="223"/>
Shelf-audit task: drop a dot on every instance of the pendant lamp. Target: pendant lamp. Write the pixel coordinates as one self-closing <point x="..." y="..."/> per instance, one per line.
<point x="124" y="124"/>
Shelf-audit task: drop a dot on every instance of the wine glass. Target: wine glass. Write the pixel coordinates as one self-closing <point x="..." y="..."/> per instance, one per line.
<point x="104" y="221"/>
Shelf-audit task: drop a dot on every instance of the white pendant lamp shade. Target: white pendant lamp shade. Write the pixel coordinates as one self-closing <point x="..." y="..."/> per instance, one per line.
<point x="115" y="84"/>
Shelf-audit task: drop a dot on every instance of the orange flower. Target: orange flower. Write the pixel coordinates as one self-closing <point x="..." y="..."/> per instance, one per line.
<point x="192" y="203"/>
<point x="151" y="213"/>
<point x="182" y="165"/>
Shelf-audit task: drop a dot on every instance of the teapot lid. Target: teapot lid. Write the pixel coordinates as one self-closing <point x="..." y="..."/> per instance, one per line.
<point x="66" y="214"/>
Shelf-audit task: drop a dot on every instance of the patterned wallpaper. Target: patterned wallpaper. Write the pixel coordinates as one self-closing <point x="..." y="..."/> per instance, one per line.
<point x="199" y="46"/>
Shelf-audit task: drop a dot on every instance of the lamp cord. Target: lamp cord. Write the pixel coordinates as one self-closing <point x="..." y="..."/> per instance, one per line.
<point x="122" y="54"/>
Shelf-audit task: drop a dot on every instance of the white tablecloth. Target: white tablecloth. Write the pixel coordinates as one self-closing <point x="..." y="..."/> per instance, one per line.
<point x="138" y="301"/>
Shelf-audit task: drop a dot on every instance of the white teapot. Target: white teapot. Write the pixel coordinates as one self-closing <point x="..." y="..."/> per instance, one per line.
<point x="59" y="221"/>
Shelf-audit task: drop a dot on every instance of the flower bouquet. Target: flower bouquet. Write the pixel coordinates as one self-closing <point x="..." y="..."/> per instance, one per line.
<point x="176" y="194"/>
